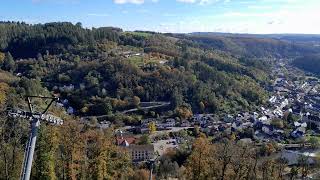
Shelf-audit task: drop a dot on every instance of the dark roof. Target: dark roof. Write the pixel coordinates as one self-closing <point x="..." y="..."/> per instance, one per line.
<point x="148" y="147"/>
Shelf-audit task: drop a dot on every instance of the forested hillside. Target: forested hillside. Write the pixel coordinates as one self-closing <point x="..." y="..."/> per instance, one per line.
<point x="310" y="63"/>
<point x="257" y="45"/>
<point x="103" y="71"/>
<point x="102" y="68"/>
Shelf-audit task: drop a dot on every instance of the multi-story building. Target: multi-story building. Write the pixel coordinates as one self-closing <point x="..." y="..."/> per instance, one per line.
<point x="141" y="152"/>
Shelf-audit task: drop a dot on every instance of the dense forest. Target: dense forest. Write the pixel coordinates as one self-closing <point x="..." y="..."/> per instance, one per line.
<point x="57" y="55"/>
<point x="309" y="63"/>
<point x="105" y="71"/>
<point x="254" y="45"/>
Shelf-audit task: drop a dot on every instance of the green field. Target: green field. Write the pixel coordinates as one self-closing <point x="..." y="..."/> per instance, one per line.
<point x="137" y="60"/>
<point x="143" y="34"/>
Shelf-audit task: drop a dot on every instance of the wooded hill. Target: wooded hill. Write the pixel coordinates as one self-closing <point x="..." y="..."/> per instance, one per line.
<point x="104" y="79"/>
<point x="105" y="70"/>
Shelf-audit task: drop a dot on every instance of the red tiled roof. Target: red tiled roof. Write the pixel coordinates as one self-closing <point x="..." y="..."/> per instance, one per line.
<point x="130" y="140"/>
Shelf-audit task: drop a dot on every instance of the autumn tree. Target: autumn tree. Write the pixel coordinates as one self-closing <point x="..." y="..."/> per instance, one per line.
<point x="225" y="153"/>
<point x="136" y="101"/>
<point x="11" y="149"/>
<point x="2" y="56"/>
<point x="71" y="150"/>
<point x="4" y="88"/>
<point x="202" y="106"/>
<point x="200" y="162"/>
<point x="152" y="127"/>
<point x="106" y="161"/>
<point x="183" y="112"/>
<point x="141" y="174"/>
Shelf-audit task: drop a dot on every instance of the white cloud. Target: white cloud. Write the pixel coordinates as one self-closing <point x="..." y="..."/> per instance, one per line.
<point x="124" y="12"/>
<point x="169" y="15"/>
<point x="128" y="1"/>
<point x="55" y="1"/>
<point x="98" y="15"/>
<point x="202" y="2"/>
<point x="187" y="1"/>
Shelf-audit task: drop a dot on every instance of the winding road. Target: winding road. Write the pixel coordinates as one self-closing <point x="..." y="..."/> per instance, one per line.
<point x="143" y="106"/>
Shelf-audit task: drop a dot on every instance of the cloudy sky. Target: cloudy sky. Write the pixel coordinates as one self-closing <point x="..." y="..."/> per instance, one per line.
<point x="236" y="16"/>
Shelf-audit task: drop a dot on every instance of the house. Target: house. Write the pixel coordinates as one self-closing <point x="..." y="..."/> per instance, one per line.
<point x="273" y="99"/>
<point x="70" y="110"/>
<point x="267" y="129"/>
<point x="67" y="88"/>
<point x="125" y="141"/>
<point x="228" y="118"/>
<point x="298" y="124"/>
<point x="236" y="126"/>
<point x="145" y="122"/>
<point x="311" y="119"/>
<point x="166" y="124"/>
<point x="104" y="124"/>
<point x="58" y="104"/>
<point x="65" y="102"/>
<point x="299" y="132"/>
<point x="141" y="152"/>
<point x="293" y="157"/>
<point x="265" y="120"/>
<point x="185" y="124"/>
<point x="170" y="123"/>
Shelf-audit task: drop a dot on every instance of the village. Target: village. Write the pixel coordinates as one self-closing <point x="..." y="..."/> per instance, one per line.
<point x="290" y="119"/>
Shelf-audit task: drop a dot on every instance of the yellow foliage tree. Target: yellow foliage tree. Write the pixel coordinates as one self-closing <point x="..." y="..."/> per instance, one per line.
<point x="202" y="106"/>
<point x="152" y="127"/>
<point x="141" y="174"/>
<point x="199" y="163"/>
<point x="184" y="112"/>
<point x="2" y="55"/>
<point x="4" y="88"/>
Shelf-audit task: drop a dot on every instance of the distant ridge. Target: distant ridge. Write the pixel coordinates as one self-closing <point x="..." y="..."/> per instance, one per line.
<point x="287" y="37"/>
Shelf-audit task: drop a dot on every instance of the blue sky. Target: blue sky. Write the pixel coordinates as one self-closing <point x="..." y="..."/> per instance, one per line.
<point x="237" y="16"/>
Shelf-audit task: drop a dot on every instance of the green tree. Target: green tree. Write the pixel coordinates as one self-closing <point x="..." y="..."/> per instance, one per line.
<point x="294" y="172"/>
<point x="144" y="139"/>
<point x="202" y="106"/>
<point x="314" y="141"/>
<point x="91" y="80"/>
<point x="278" y="123"/>
<point x="31" y="86"/>
<point x="8" y="63"/>
<point x="47" y="145"/>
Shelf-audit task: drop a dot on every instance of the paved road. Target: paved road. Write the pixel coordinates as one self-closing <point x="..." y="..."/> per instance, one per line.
<point x="156" y="105"/>
<point x="146" y="105"/>
<point x="173" y="129"/>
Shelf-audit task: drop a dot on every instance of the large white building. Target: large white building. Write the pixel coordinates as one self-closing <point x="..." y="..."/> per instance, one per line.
<point x="141" y="152"/>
